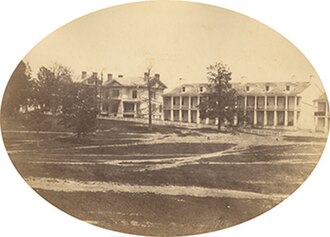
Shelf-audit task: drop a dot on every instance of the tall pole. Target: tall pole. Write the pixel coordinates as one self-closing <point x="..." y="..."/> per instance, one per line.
<point x="219" y="106"/>
<point x="149" y="101"/>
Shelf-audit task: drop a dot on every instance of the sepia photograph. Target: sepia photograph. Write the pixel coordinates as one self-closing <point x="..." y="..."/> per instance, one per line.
<point x="165" y="118"/>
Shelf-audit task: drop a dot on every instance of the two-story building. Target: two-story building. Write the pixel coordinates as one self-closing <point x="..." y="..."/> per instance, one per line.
<point x="181" y="104"/>
<point x="322" y="116"/>
<point x="128" y="96"/>
<point x="281" y="105"/>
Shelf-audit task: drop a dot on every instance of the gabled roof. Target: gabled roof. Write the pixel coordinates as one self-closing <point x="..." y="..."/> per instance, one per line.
<point x="322" y="98"/>
<point x="132" y="82"/>
<point x="255" y="88"/>
<point x="190" y="90"/>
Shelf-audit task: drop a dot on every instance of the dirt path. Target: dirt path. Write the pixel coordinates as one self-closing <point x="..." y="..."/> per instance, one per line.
<point x="64" y="185"/>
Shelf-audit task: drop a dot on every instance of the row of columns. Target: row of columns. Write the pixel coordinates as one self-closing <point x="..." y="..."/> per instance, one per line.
<point x="275" y="109"/>
<point x="180" y="109"/>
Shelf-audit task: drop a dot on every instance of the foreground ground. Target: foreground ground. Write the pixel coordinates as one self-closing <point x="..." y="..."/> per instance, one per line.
<point x="169" y="182"/>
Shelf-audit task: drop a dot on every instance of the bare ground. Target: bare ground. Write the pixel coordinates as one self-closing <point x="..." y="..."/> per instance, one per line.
<point x="165" y="183"/>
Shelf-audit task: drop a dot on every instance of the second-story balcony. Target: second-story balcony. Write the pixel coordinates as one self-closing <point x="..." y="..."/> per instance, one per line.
<point x="260" y="107"/>
<point x="319" y="113"/>
<point x="167" y="106"/>
<point x="250" y="107"/>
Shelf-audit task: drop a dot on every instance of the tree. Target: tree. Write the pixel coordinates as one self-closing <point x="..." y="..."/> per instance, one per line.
<point x="220" y="101"/>
<point x="17" y="93"/>
<point x="36" y="120"/>
<point x="79" y="109"/>
<point x="48" y="88"/>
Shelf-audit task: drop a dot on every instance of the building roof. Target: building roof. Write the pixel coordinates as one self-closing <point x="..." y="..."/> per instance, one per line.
<point x="322" y="98"/>
<point x="90" y="80"/>
<point x="274" y="88"/>
<point x="255" y="88"/>
<point x="132" y="82"/>
<point x="190" y="90"/>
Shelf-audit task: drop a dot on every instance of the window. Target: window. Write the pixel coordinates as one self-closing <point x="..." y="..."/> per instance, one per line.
<point x="298" y="101"/>
<point x="160" y="108"/>
<point x="247" y="88"/>
<point x="115" y="93"/>
<point x="106" y="94"/>
<point x="201" y="89"/>
<point x="134" y="94"/>
<point x="288" y="88"/>
<point x="183" y="89"/>
<point x="267" y="88"/>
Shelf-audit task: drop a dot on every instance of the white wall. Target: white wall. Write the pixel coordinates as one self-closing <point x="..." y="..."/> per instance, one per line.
<point x="306" y="121"/>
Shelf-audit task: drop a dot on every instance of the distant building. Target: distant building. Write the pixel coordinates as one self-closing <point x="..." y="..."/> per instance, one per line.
<point x="284" y="105"/>
<point x="280" y="105"/>
<point x="128" y="96"/>
<point x="181" y="104"/>
<point x="322" y="117"/>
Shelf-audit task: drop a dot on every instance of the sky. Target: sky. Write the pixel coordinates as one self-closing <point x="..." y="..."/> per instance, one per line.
<point x="177" y="40"/>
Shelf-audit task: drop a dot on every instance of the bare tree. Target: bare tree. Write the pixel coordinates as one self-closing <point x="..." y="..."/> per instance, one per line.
<point x="149" y="85"/>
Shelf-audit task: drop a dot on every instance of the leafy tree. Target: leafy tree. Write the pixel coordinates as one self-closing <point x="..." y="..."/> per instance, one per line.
<point x="79" y="109"/>
<point x="37" y="121"/>
<point x="17" y="93"/>
<point x="220" y="101"/>
<point x="49" y="86"/>
<point x="48" y="89"/>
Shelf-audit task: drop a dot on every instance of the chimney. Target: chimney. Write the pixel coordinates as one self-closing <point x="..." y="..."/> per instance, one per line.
<point x="109" y="77"/>
<point x="83" y="74"/>
<point x="120" y="75"/>
<point x="157" y="76"/>
<point x="145" y="76"/>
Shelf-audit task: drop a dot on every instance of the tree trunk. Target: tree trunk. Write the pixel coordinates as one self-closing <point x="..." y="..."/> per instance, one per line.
<point x="219" y="107"/>
<point x="149" y="110"/>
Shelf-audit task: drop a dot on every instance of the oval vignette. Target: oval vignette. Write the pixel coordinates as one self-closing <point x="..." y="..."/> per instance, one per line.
<point x="137" y="180"/>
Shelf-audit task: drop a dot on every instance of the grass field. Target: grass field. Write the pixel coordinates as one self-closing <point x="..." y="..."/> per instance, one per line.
<point x="167" y="182"/>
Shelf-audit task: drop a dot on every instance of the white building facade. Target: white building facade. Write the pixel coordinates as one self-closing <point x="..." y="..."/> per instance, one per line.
<point x="128" y="96"/>
<point x="273" y="105"/>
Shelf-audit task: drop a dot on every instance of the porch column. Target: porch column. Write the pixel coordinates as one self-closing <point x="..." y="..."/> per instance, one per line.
<point x="275" y="110"/>
<point x="286" y="111"/>
<point x="134" y="109"/>
<point x="171" y="109"/>
<point x="265" y="112"/>
<point x="180" y="109"/>
<point x="255" y="111"/>
<point x="295" y="113"/>
<point x="245" y="105"/>
<point x="121" y="109"/>
<point x="198" y="120"/>
<point x="189" y="109"/>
